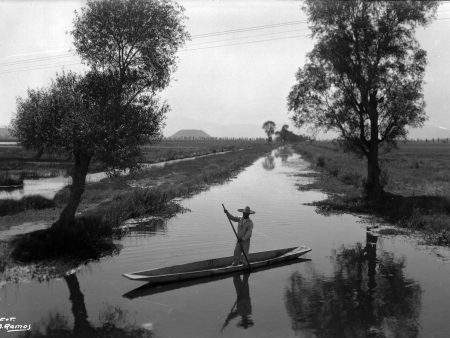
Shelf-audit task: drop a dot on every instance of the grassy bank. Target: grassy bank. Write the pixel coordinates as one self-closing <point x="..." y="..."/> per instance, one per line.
<point x="14" y="157"/>
<point x="108" y="203"/>
<point x="415" y="177"/>
<point x="17" y="164"/>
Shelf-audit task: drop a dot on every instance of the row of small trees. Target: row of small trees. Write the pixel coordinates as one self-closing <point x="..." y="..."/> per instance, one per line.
<point x="108" y="112"/>
<point x="283" y="135"/>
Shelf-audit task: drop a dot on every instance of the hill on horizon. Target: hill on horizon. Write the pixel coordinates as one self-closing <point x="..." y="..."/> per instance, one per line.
<point x="190" y="134"/>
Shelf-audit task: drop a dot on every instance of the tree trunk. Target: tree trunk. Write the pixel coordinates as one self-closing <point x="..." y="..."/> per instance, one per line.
<point x="80" y="169"/>
<point x="374" y="188"/>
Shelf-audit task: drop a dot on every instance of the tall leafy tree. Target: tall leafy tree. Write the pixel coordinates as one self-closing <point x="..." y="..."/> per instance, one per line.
<point x="269" y="129"/>
<point x="364" y="76"/>
<point x="106" y="114"/>
<point x="73" y="116"/>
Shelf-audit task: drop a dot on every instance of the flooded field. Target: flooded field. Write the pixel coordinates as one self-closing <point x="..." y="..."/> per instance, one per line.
<point x="352" y="283"/>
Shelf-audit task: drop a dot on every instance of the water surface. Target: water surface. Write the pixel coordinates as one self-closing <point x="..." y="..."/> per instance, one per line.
<point x="353" y="285"/>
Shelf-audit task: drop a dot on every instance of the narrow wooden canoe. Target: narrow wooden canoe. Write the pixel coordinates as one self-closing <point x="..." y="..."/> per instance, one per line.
<point x="217" y="266"/>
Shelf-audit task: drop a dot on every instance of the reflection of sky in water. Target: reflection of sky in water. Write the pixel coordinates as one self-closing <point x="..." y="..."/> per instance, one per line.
<point x="46" y="187"/>
<point x="346" y="287"/>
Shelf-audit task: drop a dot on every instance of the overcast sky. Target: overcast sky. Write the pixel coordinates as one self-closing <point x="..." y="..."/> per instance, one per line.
<point x="227" y="83"/>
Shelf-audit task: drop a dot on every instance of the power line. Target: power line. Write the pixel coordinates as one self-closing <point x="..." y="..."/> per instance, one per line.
<point x="57" y="57"/>
<point x="39" y="68"/>
<point x="58" y="64"/>
<point x="41" y="58"/>
<point x="184" y="50"/>
<point x="239" y="30"/>
<point x="245" y="43"/>
<point x="249" y="36"/>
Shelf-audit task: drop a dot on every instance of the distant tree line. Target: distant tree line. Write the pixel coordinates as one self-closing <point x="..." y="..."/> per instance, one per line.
<point x="283" y="135"/>
<point x="193" y="138"/>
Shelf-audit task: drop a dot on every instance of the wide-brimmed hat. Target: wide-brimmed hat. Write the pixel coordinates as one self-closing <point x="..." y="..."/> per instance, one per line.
<point x="246" y="210"/>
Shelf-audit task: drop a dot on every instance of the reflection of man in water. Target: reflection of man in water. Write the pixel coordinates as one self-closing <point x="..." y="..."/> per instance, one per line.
<point x="243" y="305"/>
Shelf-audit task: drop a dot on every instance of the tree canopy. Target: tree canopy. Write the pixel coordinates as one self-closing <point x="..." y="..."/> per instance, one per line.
<point x="364" y="76"/>
<point x="72" y="115"/>
<point x="135" y="40"/>
<point x="269" y="129"/>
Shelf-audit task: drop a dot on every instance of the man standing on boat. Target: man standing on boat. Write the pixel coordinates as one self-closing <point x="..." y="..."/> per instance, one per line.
<point x="244" y="232"/>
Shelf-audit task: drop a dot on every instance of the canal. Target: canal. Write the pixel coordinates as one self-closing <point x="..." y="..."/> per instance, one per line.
<point x="352" y="283"/>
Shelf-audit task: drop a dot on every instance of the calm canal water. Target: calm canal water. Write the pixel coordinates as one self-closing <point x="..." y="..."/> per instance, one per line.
<point x="352" y="285"/>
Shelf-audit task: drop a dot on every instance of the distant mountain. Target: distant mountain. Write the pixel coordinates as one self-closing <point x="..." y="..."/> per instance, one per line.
<point x="215" y="128"/>
<point x="190" y="134"/>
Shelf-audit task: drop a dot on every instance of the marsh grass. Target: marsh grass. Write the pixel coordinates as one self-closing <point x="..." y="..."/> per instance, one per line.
<point x="7" y="180"/>
<point x="11" y="207"/>
<point x="415" y="177"/>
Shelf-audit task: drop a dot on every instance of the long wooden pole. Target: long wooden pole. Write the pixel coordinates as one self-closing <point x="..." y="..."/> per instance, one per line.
<point x="235" y="233"/>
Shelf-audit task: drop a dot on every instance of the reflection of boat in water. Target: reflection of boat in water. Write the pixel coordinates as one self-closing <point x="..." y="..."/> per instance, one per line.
<point x="217" y="266"/>
<point x="152" y="288"/>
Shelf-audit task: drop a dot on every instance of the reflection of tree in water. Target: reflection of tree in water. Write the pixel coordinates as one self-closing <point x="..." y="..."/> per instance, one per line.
<point x="243" y="306"/>
<point x="269" y="162"/>
<point x="366" y="296"/>
<point x="284" y="153"/>
<point x="114" y="322"/>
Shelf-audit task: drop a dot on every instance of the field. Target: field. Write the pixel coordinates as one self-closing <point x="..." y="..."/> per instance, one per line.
<point x="416" y="178"/>
<point x="14" y="157"/>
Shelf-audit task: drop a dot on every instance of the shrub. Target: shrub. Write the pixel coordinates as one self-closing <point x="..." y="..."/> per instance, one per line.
<point x="90" y="238"/>
<point x="10" y="206"/>
<point x="320" y="161"/>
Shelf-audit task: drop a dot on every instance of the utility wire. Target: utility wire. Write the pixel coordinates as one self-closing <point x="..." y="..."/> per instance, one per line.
<point x="37" y="67"/>
<point x="244" y="43"/>
<point x="281" y="24"/>
<point x="41" y="58"/>
<point x="76" y="57"/>
<point x="58" y="64"/>
<point x="247" y="37"/>
<point x="239" y="30"/>
<point x="183" y="50"/>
